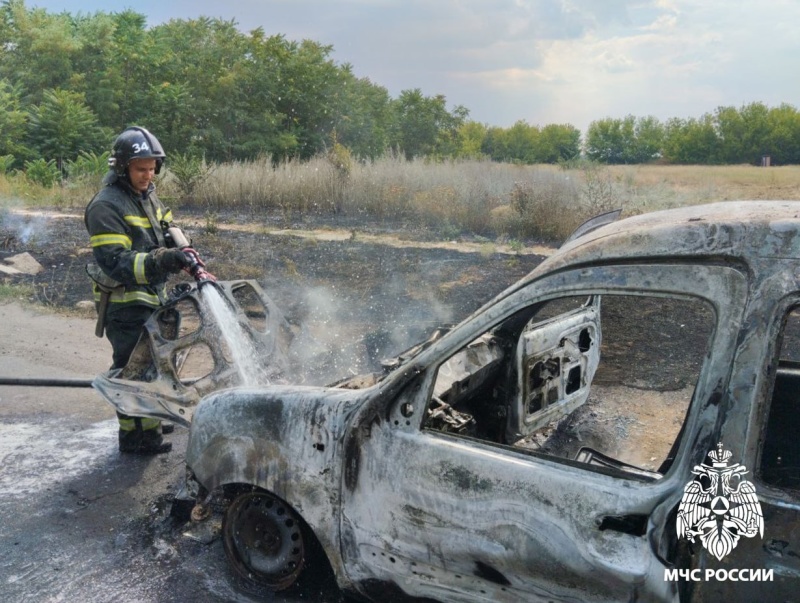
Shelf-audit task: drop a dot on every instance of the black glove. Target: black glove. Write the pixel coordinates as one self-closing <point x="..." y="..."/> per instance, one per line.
<point x="193" y="257"/>
<point x="170" y="260"/>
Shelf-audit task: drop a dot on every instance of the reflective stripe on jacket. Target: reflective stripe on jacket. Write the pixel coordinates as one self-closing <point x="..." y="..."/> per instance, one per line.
<point x="124" y="226"/>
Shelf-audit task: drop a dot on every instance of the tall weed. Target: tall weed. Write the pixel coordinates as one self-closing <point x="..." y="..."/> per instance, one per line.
<point x="188" y="173"/>
<point x="6" y="161"/>
<point x="469" y="196"/>
<point x="449" y="197"/>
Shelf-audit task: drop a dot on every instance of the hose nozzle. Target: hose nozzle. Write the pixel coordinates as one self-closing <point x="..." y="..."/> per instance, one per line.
<point x="197" y="267"/>
<point x="203" y="276"/>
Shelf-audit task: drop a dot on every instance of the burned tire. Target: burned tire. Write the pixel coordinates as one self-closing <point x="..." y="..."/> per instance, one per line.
<point x="264" y="541"/>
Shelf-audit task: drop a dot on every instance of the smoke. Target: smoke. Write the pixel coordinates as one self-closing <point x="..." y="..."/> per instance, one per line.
<point x="343" y="335"/>
<point x="415" y="314"/>
<point x="328" y="346"/>
<point x="20" y="228"/>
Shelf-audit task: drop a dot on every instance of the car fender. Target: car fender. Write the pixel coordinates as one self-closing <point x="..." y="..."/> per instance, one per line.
<point x="285" y="440"/>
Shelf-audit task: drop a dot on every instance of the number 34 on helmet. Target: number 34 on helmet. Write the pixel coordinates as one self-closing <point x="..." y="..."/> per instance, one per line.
<point x="135" y="143"/>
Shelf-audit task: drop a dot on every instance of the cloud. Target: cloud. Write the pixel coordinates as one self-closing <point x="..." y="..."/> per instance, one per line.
<point x="545" y="61"/>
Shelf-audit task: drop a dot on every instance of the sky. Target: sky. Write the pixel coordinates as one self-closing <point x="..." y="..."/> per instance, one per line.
<point x="541" y="61"/>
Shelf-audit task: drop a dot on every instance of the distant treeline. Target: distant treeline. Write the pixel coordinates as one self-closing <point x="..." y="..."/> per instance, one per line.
<point x="69" y="83"/>
<point x="729" y="135"/>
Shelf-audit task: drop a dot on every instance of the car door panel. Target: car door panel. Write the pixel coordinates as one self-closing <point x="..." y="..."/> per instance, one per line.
<point x="462" y="512"/>
<point x="556" y="361"/>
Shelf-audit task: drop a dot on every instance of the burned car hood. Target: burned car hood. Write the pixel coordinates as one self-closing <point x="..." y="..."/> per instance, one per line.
<point x="246" y="435"/>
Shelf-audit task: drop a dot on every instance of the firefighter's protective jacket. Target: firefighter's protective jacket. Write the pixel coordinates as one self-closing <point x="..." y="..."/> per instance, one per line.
<point x="124" y="226"/>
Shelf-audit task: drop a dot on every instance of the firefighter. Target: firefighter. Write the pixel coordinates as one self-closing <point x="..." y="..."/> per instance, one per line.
<point x="126" y="223"/>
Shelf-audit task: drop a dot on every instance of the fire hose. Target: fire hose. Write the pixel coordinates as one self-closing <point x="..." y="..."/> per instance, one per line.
<point x="196" y="268"/>
<point x="46" y="382"/>
<point x="59" y="381"/>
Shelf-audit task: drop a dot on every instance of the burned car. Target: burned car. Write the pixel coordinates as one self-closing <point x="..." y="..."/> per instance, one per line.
<point x="584" y="436"/>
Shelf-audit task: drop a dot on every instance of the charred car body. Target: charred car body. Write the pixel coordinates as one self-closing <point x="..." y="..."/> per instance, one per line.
<point x="541" y="449"/>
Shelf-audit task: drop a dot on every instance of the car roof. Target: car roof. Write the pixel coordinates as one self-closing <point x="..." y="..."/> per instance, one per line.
<point x="744" y="230"/>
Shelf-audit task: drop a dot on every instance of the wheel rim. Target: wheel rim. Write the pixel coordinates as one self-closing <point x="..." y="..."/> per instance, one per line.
<point x="263" y="539"/>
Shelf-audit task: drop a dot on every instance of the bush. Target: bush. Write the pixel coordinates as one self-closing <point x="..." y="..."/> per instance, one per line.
<point x="435" y="207"/>
<point x="599" y="192"/>
<point x="88" y="165"/>
<point x="341" y="159"/>
<point x="41" y="172"/>
<point x="504" y="220"/>
<point x="6" y="161"/>
<point x="544" y="206"/>
<point x="342" y="163"/>
<point x="189" y="172"/>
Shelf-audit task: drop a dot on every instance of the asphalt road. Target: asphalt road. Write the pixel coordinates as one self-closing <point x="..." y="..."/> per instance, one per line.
<point x="78" y="520"/>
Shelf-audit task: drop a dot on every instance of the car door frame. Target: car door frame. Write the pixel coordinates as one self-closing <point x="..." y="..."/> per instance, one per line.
<point x="389" y="496"/>
<point x="742" y="431"/>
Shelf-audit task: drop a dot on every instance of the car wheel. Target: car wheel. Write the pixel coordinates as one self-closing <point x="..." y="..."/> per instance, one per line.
<point x="263" y="539"/>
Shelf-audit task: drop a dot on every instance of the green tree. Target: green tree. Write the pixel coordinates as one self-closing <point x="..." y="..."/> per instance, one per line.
<point x="495" y="144"/>
<point x="627" y="140"/>
<point x="691" y="141"/>
<point x="62" y="126"/>
<point x="310" y="97"/>
<point x="100" y="56"/>
<point x="559" y="142"/>
<point x="783" y="142"/>
<point x="448" y="140"/>
<point x="169" y="115"/>
<point x="38" y="49"/>
<point x="95" y="74"/>
<point x="522" y="143"/>
<point x="610" y="140"/>
<point x="364" y="118"/>
<point x="13" y="123"/>
<point x="648" y="140"/>
<point x="756" y="143"/>
<point x="191" y="90"/>
<point x="424" y="126"/>
<point x="743" y="133"/>
<point x="731" y="134"/>
<point x="133" y="64"/>
<point x="251" y="124"/>
<point x="471" y="137"/>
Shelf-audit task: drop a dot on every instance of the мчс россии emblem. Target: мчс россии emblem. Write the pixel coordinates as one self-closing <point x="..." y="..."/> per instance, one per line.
<point x="718" y="506"/>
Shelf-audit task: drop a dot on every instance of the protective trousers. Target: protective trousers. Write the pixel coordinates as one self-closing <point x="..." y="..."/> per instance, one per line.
<point x="123" y="329"/>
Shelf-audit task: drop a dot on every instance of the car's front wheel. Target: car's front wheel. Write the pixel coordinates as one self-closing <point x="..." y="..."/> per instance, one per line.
<point x="263" y="539"/>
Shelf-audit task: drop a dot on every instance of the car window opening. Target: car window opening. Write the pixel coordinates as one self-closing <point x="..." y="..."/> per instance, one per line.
<point x="607" y="385"/>
<point x="780" y="453"/>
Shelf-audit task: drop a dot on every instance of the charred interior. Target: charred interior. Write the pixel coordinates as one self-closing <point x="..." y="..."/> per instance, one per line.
<point x="780" y="461"/>
<point x="558" y="380"/>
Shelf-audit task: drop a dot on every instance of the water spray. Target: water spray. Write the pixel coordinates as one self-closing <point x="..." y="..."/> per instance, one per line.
<point x="240" y="345"/>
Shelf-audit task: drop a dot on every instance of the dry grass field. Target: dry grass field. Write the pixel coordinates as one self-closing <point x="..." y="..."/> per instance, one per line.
<point x="715" y="183"/>
<point x="447" y="199"/>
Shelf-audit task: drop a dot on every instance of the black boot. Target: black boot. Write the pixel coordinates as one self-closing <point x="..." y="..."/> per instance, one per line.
<point x="142" y="441"/>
